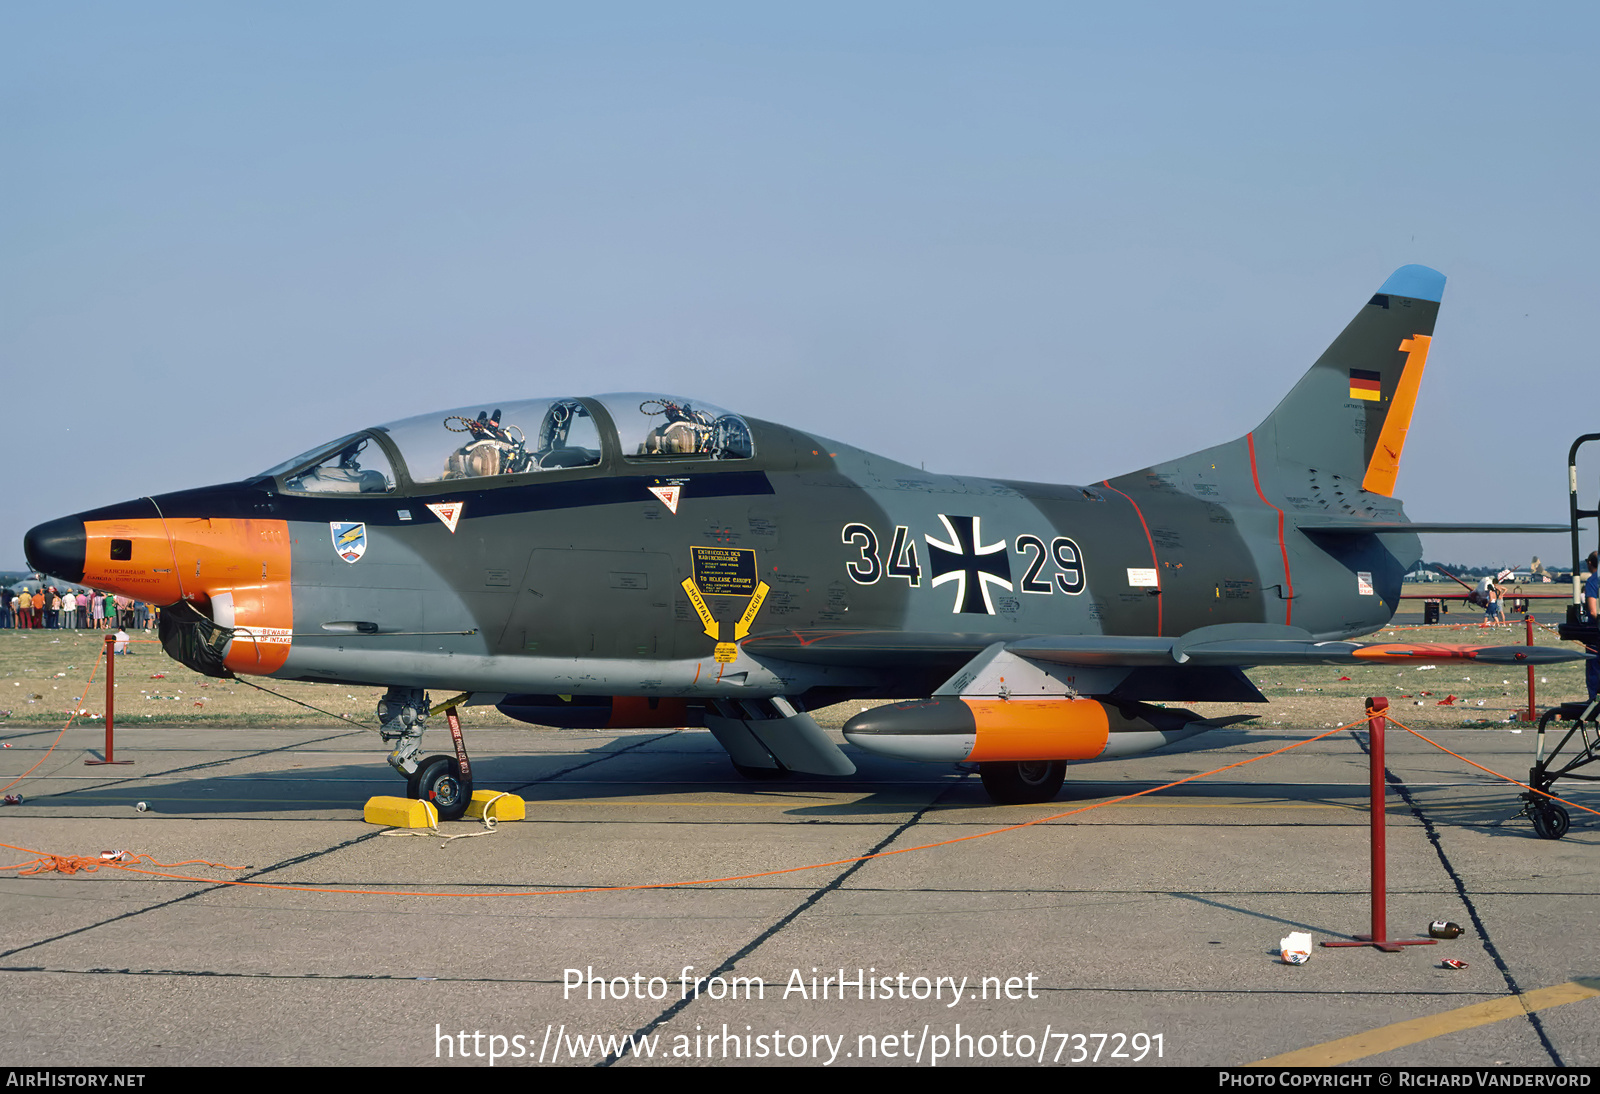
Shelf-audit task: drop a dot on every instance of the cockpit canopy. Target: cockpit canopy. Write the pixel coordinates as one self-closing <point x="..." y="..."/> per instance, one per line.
<point x="659" y="427"/>
<point x="527" y="437"/>
<point x="510" y="439"/>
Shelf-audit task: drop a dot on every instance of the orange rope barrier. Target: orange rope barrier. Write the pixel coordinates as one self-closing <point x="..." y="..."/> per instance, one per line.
<point x="704" y="881"/>
<point x="1491" y="771"/>
<point x="72" y="864"/>
<point x="70" y="719"/>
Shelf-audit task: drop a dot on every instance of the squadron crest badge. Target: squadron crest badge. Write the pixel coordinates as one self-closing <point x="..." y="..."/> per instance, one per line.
<point x="349" y="540"/>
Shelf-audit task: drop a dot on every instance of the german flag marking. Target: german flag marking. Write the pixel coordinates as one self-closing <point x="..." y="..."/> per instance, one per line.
<point x="1366" y="384"/>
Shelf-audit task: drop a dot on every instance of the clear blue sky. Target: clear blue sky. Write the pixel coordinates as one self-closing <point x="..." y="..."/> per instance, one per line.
<point x="1046" y="241"/>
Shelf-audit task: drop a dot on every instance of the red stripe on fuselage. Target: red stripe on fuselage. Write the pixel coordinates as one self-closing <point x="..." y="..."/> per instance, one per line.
<point x="1288" y="600"/>
<point x="1153" y="560"/>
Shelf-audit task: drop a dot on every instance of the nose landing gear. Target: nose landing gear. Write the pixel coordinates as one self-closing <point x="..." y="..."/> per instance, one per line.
<point x="446" y="781"/>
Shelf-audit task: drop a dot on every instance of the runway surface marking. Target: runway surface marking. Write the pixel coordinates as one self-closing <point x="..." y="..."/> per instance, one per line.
<point x="786" y="803"/>
<point x="1384" y="1038"/>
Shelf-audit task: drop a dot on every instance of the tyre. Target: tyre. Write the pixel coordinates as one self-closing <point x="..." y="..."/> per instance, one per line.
<point x="1551" y="821"/>
<point x="1022" y="781"/>
<point x="438" y="780"/>
<point x="411" y="779"/>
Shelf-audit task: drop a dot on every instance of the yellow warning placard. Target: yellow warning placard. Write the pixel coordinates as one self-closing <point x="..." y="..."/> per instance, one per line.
<point x="724" y="571"/>
<point x="707" y="620"/>
<point x="726" y="652"/>
<point x="741" y="629"/>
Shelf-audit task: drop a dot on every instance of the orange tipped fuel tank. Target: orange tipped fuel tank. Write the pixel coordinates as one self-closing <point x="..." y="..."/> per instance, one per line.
<point x="989" y="729"/>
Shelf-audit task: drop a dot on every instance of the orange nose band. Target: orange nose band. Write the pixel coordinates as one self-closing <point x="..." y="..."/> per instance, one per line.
<point x="237" y="568"/>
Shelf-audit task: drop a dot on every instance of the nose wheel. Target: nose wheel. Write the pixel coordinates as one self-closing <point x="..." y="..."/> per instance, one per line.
<point x="439" y="780"/>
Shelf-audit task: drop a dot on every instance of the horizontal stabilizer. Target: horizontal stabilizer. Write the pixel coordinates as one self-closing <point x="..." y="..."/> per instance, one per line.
<point x="1228" y="645"/>
<point x="1275" y="651"/>
<point x="1337" y="527"/>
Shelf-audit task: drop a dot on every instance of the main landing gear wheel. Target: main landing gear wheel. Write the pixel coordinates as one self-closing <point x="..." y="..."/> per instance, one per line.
<point x="759" y="774"/>
<point x="1550" y="821"/>
<point x="438" y="780"/>
<point x="1017" y="782"/>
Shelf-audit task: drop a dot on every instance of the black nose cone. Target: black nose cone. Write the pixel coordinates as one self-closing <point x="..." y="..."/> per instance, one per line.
<point x="56" y="548"/>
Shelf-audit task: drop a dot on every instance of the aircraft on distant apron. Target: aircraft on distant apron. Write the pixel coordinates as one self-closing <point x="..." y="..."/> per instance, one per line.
<point x="642" y="560"/>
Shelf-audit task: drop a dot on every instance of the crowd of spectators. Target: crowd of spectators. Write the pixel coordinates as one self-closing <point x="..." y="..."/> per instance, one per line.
<point x="50" y="608"/>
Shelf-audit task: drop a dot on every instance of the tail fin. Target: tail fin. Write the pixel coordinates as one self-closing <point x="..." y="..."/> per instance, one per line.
<point x="1350" y="413"/>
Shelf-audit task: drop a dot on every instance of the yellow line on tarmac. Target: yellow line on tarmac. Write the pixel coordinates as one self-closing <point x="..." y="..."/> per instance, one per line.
<point x="772" y="803"/>
<point x="637" y="803"/>
<point x="1384" y="1038"/>
<point x="1225" y="804"/>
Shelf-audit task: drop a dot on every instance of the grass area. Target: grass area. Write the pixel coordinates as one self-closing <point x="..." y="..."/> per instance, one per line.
<point x="43" y="675"/>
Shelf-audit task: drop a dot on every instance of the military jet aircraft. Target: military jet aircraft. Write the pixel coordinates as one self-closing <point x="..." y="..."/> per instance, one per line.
<point x="1511" y="592"/>
<point x="20" y="581"/>
<point x="642" y="560"/>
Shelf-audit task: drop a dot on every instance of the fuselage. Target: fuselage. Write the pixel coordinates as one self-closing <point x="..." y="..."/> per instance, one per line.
<point x="624" y="575"/>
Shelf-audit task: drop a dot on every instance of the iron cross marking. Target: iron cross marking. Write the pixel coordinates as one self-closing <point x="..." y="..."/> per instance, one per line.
<point x="970" y="564"/>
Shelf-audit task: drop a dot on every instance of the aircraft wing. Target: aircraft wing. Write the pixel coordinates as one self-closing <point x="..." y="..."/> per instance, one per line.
<point x="819" y="646"/>
<point x="1230" y="645"/>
